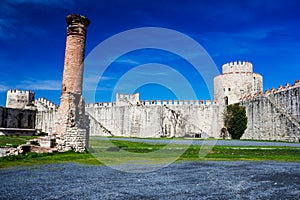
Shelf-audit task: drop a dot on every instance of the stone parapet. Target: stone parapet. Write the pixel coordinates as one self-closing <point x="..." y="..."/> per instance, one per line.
<point x="153" y="103"/>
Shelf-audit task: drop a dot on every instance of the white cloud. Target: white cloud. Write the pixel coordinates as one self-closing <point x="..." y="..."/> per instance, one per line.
<point x="128" y="61"/>
<point x="3" y="88"/>
<point x="40" y="85"/>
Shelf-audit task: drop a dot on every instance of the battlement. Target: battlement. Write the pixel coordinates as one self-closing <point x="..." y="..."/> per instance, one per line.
<point x="156" y="102"/>
<point x="237" y="66"/>
<point x="267" y="92"/>
<point x="46" y="103"/>
<point x="19" y="98"/>
<point x="127" y="99"/>
<point x="20" y="92"/>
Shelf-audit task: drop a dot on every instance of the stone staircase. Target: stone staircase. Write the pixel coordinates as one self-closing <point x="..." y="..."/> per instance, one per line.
<point x="283" y="111"/>
<point x="104" y="129"/>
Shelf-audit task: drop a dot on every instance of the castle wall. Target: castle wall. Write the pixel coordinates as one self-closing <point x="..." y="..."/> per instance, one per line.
<point x="45" y="116"/>
<point x="274" y="115"/>
<point x="155" y="120"/>
<point x="11" y="119"/>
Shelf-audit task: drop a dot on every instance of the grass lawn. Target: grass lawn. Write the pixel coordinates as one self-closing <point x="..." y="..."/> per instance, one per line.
<point x="14" y="141"/>
<point x="291" y="154"/>
<point x="119" y="152"/>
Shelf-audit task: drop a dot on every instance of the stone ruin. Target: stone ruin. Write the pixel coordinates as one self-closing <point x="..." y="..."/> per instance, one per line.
<point x="70" y="128"/>
<point x="273" y="115"/>
<point x="66" y="124"/>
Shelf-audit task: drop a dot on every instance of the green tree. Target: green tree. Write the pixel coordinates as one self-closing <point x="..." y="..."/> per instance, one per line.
<point x="235" y="120"/>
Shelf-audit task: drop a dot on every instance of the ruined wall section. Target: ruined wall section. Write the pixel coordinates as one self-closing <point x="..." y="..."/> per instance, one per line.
<point x="155" y="119"/>
<point x="274" y="115"/>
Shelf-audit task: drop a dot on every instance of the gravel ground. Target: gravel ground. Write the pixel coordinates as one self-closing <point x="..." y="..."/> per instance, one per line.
<point x="190" y="180"/>
<point x="210" y="142"/>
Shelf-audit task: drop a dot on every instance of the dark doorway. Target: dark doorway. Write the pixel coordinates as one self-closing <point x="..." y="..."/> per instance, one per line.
<point x="20" y="120"/>
<point x="30" y="125"/>
<point x="226" y="100"/>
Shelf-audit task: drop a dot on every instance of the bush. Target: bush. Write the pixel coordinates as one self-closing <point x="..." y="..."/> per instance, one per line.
<point x="235" y="120"/>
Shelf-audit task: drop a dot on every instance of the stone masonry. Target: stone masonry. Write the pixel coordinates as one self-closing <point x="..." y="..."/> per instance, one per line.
<point x="71" y="129"/>
<point x="237" y="80"/>
<point x="156" y="118"/>
<point x="19" y="98"/>
<point x="273" y="115"/>
<point x="45" y="116"/>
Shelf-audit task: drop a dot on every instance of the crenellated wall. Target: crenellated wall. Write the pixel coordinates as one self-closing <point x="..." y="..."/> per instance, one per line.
<point x="237" y="66"/>
<point x="154" y="103"/>
<point x="274" y="115"/>
<point x="46" y="115"/>
<point x="156" y="118"/>
<point x="19" y="98"/>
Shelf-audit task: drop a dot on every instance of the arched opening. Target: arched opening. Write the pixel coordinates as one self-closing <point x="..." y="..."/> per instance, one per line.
<point x="226" y="100"/>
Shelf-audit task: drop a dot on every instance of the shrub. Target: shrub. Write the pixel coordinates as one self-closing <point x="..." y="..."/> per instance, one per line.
<point x="235" y="120"/>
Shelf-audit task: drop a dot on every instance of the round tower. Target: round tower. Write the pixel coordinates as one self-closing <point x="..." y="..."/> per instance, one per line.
<point x="237" y="80"/>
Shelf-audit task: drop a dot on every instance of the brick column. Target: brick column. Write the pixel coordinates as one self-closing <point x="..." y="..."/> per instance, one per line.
<point x="71" y="130"/>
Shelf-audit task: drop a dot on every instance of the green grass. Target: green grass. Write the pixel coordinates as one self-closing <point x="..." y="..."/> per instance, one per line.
<point x="14" y="141"/>
<point x="47" y="158"/>
<point x="117" y="152"/>
<point x="291" y="154"/>
<point x="137" y="147"/>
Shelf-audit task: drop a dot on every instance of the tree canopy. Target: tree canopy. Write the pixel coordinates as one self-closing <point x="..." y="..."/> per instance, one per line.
<point x="235" y="120"/>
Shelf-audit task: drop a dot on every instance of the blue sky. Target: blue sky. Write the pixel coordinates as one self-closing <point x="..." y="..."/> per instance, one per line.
<point x="32" y="40"/>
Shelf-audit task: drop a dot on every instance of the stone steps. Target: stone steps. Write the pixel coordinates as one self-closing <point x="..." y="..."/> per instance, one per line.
<point x="282" y="111"/>
<point x="105" y="130"/>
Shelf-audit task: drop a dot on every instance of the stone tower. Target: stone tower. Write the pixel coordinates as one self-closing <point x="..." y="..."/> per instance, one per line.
<point x="19" y="98"/>
<point x="71" y="130"/>
<point x="237" y="80"/>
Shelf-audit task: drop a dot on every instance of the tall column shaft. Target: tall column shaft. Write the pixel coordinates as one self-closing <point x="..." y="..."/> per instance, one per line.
<point x="74" y="54"/>
<point x="70" y="125"/>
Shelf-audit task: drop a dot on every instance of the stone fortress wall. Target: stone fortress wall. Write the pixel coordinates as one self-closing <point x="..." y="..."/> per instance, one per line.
<point x="45" y="116"/>
<point x="18" y="117"/>
<point x="154" y="118"/>
<point x="274" y="115"/>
